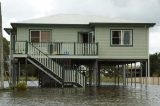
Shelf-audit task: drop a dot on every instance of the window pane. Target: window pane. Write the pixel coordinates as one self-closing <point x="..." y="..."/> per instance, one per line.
<point x="35" y="33"/>
<point x="116" y="41"/>
<point x="45" y="36"/>
<point x="35" y="40"/>
<point x="116" y="37"/>
<point x="126" y="38"/>
<point x="35" y="36"/>
<point x="116" y="33"/>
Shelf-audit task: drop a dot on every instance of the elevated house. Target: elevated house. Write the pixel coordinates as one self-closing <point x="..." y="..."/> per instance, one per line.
<point x="64" y="48"/>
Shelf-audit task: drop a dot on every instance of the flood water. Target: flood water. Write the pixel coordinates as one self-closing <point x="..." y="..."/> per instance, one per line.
<point x="104" y="96"/>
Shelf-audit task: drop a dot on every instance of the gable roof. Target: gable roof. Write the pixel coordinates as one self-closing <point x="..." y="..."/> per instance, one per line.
<point x="74" y="19"/>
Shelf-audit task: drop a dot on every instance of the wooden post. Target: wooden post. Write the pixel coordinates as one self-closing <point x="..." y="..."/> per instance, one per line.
<point x="1" y="52"/>
<point x="131" y="74"/>
<point x="124" y="75"/>
<point x="141" y="73"/>
<point x="26" y="71"/>
<point x="95" y="72"/>
<point x="146" y="74"/>
<point x="115" y="74"/>
<point x="90" y="75"/>
<point x="99" y="79"/>
<point x="135" y="69"/>
<point x="118" y="74"/>
<point x="18" y="73"/>
<point x="127" y="72"/>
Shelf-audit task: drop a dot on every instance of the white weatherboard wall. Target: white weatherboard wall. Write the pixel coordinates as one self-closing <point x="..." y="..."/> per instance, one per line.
<point x="102" y="34"/>
<point x="138" y="51"/>
<point x="59" y="34"/>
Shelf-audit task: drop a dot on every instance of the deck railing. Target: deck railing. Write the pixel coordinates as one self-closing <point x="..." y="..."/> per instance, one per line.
<point x="59" y="48"/>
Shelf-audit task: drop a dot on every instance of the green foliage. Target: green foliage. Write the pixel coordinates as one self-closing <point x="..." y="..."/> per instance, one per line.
<point x="155" y="64"/>
<point x="21" y="86"/>
<point x="5" y="53"/>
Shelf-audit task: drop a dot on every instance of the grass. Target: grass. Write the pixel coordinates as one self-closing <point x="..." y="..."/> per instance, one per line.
<point x="23" y="78"/>
<point x="110" y="79"/>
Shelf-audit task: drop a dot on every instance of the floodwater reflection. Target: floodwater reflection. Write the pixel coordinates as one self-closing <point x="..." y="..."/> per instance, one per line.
<point x="103" y="96"/>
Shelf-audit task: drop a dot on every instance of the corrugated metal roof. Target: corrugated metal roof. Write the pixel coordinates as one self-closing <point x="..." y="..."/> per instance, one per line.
<point x="75" y="19"/>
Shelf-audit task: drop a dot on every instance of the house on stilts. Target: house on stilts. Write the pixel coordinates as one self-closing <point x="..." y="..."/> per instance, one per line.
<point x="70" y="50"/>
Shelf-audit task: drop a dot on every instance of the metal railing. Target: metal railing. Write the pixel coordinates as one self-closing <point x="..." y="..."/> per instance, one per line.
<point x="59" y="48"/>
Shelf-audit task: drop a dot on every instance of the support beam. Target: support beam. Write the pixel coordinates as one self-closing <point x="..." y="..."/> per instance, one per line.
<point x="99" y="78"/>
<point x="1" y="52"/>
<point x="124" y="75"/>
<point x="19" y="69"/>
<point x="118" y="74"/>
<point x="146" y="81"/>
<point x="95" y="72"/>
<point x="148" y="71"/>
<point x="26" y="73"/>
<point x="90" y="75"/>
<point x="135" y="72"/>
<point x="14" y="73"/>
<point x="131" y="74"/>
<point x="127" y="73"/>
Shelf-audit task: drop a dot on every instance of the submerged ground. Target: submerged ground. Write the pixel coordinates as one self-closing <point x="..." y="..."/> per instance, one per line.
<point x="109" y="95"/>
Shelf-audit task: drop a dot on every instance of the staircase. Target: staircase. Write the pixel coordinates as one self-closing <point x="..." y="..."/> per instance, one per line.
<point x="55" y="68"/>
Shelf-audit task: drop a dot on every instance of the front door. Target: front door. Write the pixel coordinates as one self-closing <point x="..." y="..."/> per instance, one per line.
<point x="86" y="40"/>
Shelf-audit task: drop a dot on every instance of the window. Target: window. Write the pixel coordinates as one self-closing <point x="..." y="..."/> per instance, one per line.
<point x="121" y="37"/>
<point x="40" y="36"/>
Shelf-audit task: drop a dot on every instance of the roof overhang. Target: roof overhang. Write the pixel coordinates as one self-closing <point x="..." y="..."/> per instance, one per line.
<point x="14" y="25"/>
<point x="8" y="30"/>
<point x="124" y="24"/>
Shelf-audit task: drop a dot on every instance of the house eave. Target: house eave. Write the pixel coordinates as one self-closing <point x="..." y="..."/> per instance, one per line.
<point x="8" y="30"/>
<point x="124" y="24"/>
<point x="14" y="25"/>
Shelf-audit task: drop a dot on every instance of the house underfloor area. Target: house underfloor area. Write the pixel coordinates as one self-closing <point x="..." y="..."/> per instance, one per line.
<point x="79" y="72"/>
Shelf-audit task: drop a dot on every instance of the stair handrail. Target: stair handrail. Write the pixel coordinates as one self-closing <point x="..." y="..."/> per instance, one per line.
<point x="50" y="67"/>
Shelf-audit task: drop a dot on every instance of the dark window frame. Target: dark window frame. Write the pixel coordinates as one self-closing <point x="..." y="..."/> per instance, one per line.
<point x="114" y="45"/>
<point x="50" y="30"/>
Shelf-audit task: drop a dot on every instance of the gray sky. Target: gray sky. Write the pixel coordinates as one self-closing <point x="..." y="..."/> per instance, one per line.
<point x="140" y="10"/>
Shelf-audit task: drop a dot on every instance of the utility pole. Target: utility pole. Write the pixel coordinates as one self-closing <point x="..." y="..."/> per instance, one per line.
<point x="1" y="52"/>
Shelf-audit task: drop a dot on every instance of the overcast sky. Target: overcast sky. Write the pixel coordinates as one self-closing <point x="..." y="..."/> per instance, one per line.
<point x="141" y="10"/>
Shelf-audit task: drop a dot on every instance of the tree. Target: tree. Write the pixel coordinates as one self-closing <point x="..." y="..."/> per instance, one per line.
<point x="6" y="53"/>
<point x="155" y="64"/>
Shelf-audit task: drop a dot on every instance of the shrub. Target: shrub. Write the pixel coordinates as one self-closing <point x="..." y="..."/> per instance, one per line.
<point x="21" y="86"/>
